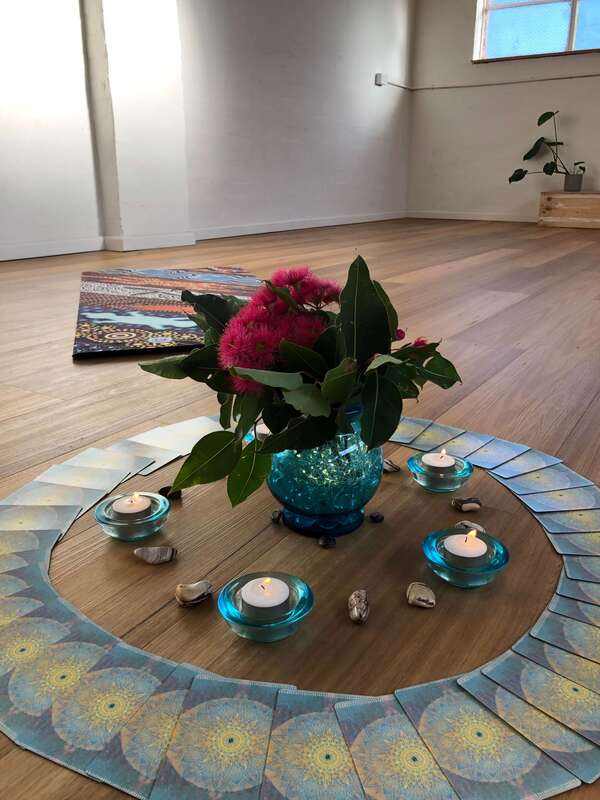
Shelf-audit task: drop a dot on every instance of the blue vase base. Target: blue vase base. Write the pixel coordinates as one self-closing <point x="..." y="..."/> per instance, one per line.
<point x="323" y="524"/>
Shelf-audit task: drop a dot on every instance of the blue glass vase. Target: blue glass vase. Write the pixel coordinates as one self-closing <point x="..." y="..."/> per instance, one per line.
<point x="324" y="490"/>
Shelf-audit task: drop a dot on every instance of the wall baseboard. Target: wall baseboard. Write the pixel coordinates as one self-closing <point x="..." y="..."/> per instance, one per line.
<point x="124" y="243"/>
<point x="484" y="216"/>
<point x="50" y="247"/>
<point x="219" y="232"/>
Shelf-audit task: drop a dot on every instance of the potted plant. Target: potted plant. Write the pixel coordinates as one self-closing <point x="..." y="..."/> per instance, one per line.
<point x="323" y="372"/>
<point x="573" y="179"/>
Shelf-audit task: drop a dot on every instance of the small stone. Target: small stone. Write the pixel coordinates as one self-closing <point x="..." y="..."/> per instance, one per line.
<point x="155" y="555"/>
<point x="376" y="517"/>
<point x="466" y="503"/>
<point x="467" y="525"/>
<point x="327" y="542"/>
<point x="276" y="516"/>
<point x="391" y="466"/>
<point x="169" y="493"/>
<point x="419" y="594"/>
<point x="358" y="606"/>
<point x="190" y="594"/>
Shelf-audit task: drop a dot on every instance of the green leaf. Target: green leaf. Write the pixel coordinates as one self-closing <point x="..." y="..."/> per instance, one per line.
<point x="302" y="359"/>
<point x="220" y="381"/>
<point x="550" y="168"/>
<point x="284" y="294"/>
<point x="276" y="415"/>
<point x="200" y="363"/>
<point x="216" y="310"/>
<point x="327" y="345"/>
<point x="402" y="378"/>
<point x="534" y="149"/>
<point x="389" y="308"/>
<point x="440" y="371"/>
<point x="169" y="367"/>
<point x="546" y="116"/>
<point x="248" y="474"/>
<point x="339" y="381"/>
<point x="212" y="458"/>
<point x="249" y="407"/>
<point x="277" y="380"/>
<point x="302" y="433"/>
<point x="225" y="413"/>
<point x="517" y="175"/>
<point x="308" y="400"/>
<point x="417" y="354"/>
<point x="363" y="316"/>
<point x="380" y="361"/>
<point x="382" y="409"/>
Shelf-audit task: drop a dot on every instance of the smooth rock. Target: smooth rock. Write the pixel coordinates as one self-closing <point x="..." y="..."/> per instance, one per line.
<point x="391" y="466"/>
<point x="419" y="594"/>
<point x="276" y="516"/>
<point x="376" y="517"/>
<point x="467" y="525"/>
<point x="327" y="542"/>
<point x="358" y="606"/>
<point x="190" y="594"/>
<point x="155" y="555"/>
<point x="466" y="503"/>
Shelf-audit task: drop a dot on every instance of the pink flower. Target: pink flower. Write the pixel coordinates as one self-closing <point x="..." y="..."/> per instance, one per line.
<point x="289" y="277"/>
<point x="399" y="335"/>
<point x="420" y="342"/>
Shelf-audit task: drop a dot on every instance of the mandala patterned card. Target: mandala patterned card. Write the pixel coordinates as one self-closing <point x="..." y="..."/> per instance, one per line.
<point x="576" y="754"/>
<point x="577" y="669"/>
<point x="160" y="457"/>
<point x="584" y="612"/>
<point x="576" y="637"/>
<point x="130" y="761"/>
<point x="563" y="499"/>
<point x="567" y="702"/>
<point x="40" y="493"/>
<point x="37" y="518"/>
<point x="219" y="743"/>
<point x="474" y="747"/>
<point x="391" y="760"/>
<point x="582" y="568"/>
<point x="543" y="480"/>
<point x="182" y="436"/>
<point x="84" y="477"/>
<point x="435" y="436"/>
<point x="465" y="444"/>
<point x="106" y="459"/>
<point x="578" y="590"/>
<point x="19" y="548"/>
<point x="496" y="452"/>
<point x="575" y="544"/>
<point x="408" y="429"/>
<point x="570" y="521"/>
<point x="307" y="750"/>
<point x="530" y="461"/>
<point x="81" y="722"/>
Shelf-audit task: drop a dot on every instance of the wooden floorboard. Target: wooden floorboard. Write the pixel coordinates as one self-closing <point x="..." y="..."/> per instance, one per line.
<point x="518" y="308"/>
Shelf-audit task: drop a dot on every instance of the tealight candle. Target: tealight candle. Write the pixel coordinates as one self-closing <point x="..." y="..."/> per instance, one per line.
<point x="438" y="461"/>
<point x="265" y="598"/>
<point x="131" y="504"/>
<point x="466" y="550"/>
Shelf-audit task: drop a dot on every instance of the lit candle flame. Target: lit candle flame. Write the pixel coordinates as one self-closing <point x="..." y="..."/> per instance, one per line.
<point x="134" y="497"/>
<point x="264" y="585"/>
<point x="443" y="453"/>
<point x="472" y="534"/>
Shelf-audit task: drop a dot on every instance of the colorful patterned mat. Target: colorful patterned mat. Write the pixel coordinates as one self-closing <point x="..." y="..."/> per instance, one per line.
<point x="524" y="726"/>
<point x="140" y="310"/>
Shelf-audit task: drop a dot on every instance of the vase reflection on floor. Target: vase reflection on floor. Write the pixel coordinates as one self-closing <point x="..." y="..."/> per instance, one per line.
<point x="324" y="490"/>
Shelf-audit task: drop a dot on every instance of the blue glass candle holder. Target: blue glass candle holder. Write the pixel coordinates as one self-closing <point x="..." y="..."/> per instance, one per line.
<point x="449" y="567"/>
<point x="131" y="528"/>
<point x="301" y="601"/>
<point x="436" y="480"/>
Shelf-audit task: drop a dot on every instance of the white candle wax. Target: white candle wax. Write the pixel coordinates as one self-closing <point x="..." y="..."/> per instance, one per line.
<point x="265" y="598"/>
<point x="132" y="504"/>
<point x="438" y="460"/>
<point x="465" y="545"/>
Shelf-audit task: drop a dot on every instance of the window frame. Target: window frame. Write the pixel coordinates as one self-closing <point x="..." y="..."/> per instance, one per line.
<point x="480" y="41"/>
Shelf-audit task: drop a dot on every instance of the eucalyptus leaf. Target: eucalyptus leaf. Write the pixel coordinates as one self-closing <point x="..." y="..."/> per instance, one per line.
<point x="302" y="433"/>
<point x="417" y="354"/>
<point x="225" y="412"/>
<point x="326" y="345"/>
<point x="277" y="380"/>
<point x="248" y="474"/>
<point x="284" y="294"/>
<point x="534" y="149"/>
<point x="382" y="409"/>
<point x="276" y="415"/>
<point x="220" y="381"/>
<point x="211" y="459"/>
<point x="216" y="310"/>
<point x="380" y="361"/>
<point x="401" y="376"/>
<point x="169" y="367"/>
<point x="389" y="308"/>
<point x="440" y="371"/>
<point x="363" y="315"/>
<point x="308" y="400"/>
<point x="250" y="406"/>
<point x="200" y="363"/>
<point x="339" y="381"/>
<point x="302" y="359"/>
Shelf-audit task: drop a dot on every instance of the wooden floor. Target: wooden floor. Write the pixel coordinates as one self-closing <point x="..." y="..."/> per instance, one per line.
<point x="518" y="308"/>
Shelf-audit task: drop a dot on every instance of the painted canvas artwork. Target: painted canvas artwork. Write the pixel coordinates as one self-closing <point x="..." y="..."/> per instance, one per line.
<point x="136" y="311"/>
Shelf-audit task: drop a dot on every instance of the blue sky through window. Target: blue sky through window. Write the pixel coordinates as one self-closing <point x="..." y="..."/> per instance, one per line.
<point x="588" y="25"/>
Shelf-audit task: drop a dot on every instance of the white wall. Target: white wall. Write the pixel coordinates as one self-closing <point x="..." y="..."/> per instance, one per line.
<point x="467" y="141"/>
<point x="47" y="189"/>
<point x="285" y="127"/>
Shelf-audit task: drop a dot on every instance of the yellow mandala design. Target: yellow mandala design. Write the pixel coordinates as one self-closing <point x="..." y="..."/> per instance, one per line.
<point x="573" y="704"/>
<point x="18" y="543"/>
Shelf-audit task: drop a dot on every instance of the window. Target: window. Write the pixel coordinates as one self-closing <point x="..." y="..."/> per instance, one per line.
<point x="513" y="28"/>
